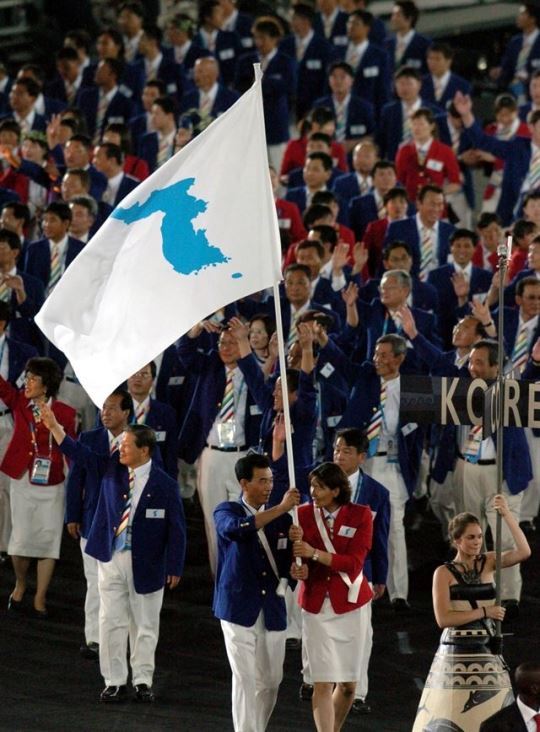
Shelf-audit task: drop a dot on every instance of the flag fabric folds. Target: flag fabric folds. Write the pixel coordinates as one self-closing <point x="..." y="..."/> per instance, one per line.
<point x="200" y="233"/>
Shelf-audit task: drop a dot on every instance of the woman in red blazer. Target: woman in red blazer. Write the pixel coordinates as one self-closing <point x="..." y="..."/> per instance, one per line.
<point x="36" y="468"/>
<point x="333" y="537"/>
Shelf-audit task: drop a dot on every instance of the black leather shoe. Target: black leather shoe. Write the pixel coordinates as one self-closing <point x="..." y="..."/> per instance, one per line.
<point x="15" y="607"/>
<point x="360" y="707"/>
<point x="293" y="644"/>
<point x="113" y="694"/>
<point x="306" y="692"/>
<point x="144" y="694"/>
<point x="401" y="606"/>
<point x="90" y="651"/>
<point x="40" y="614"/>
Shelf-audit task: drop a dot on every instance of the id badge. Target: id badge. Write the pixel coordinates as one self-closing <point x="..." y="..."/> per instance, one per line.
<point x="227" y="433"/>
<point x="41" y="470"/>
<point x="392" y="451"/>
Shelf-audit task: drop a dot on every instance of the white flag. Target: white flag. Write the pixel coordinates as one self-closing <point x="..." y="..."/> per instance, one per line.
<point x="200" y="233"/>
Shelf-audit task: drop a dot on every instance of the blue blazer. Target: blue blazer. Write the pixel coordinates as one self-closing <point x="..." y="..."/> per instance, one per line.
<point x="441" y="279"/>
<point x="21" y="325"/>
<point x="311" y="79"/>
<point x="362" y="210"/>
<point x="510" y="57"/>
<point x="245" y="580"/>
<point x="511" y="326"/>
<point x="206" y="393"/>
<point x="332" y="397"/>
<point x="278" y="85"/>
<point x="455" y="83"/>
<point x="390" y="133"/>
<point x="38" y="258"/>
<point x="138" y="127"/>
<point x="242" y="28"/>
<point x="130" y="84"/>
<point x="227" y="53"/>
<point x="338" y="34"/>
<point x="158" y="538"/>
<point x="84" y="479"/>
<point x="170" y="73"/>
<point x="464" y="144"/>
<point x="38" y="125"/>
<point x="369" y="492"/>
<point x="360" y="119"/>
<point x="346" y="187"/>
<point x="120" y="108"/>
<point x="225" y="98"/>
<point x="406" y="230"/>
<point x="127" y="184"/>
<point x="415" y="53"/>
<point x="372" y="80"/>
<point x="516" y="154"/>
<point x="296" y="180"/>
<point x="424" y="295"/>
<point x="148" y="149"/>
<point x="363" y="402"/>
<point x="440" y="363"/>
<point x="162" y="419"/>
<point x="510" y="290"/>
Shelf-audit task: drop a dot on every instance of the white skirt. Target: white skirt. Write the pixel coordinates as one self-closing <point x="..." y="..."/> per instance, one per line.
<point x="333" y="644"/>
<point x="37" y="517"/>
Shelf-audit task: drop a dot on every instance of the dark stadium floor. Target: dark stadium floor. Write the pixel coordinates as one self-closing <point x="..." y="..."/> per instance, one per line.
<point x="45" y="684"/>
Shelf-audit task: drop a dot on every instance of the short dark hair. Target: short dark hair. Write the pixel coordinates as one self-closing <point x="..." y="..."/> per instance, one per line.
<point x="522" y="227"/>
<point x="268" y="26"/>
<point x="87" y="202"/>
<point x="10" y="125"/>
<point x="82" y="174"/>
<point x="325" y="159"/>
<point x="396" y="244"/>
<point x="463" y="234"/>
<point x="293" y="379"/>
<point x="320" y="137"/>
<point x="396" y="192"/>
<point x="31" y="86"/>
<point x="332" y="476"/>
<point x="11" y="238"/>
<point x="158" y="84"/>
<point x="116" y="66"/>
<point x="532" y="196"/>
<point x="37" y="72"/>
<point x="121" y="129"/>
<point x="314" y="212"/>
<point x="20" y="211"/>
<point x="442" y="47"/>
<point x="398" y="343"/>
<point x="321" y="116"/>
<point x="486" y="219"/>
<point x="491" y="346"/>
<point x="134" y="6"/>
<point x="295" y="267"/>
<point x="304" y="11"/>
<point x="324" y="319"/>
<point x="324" y="198"/>
<point x="364" y="15"/>
<point x="269" y="322"/>
<point x="49" y="372"/>
<point x="85" y="141"/>
<point x="144" y="436"/>
<point x="533" y="117"/>
<point x="80" y="38"/>
<point x="408" y="72"/>
<point x="112" y="151"/>
<point x="328" y="234"/>
<point x="310" y="244"/>
<point x="126" y="402"/>
<point x="409" y="10"/>
<point x="116" y="38"/>
<point x="424" y="112"/>
<point x="153" y="32"/>
<point x="343" y="65"/>
<point x="525" y="282"/>
<point x="354" y="437"/>
<point x="505" y="101"/>
<point x="429" y="188"/>
<point x="245" y="466"/>
<point x="383" y="165"/>
<point x="167" y="104"/>
<point x="60" y="209"/>
<point x="67" y="53"/>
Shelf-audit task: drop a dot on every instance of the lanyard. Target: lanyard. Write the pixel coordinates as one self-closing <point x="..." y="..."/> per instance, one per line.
<point x="359" y="484"/>
<point x="399" y="328"/>
<point x="34" y="441"/>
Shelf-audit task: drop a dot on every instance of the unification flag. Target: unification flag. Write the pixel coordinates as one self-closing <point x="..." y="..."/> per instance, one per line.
<point x="200" y="233"/>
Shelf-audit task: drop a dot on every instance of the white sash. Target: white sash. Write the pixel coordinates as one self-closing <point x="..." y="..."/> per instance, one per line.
<point x="283" y="581"/>
<point x="354" y="587"/>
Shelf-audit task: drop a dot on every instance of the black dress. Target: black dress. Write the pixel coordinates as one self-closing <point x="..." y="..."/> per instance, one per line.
<point x="467" y="683"/>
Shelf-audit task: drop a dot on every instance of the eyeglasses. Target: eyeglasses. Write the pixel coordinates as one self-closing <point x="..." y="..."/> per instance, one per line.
<point x="31" y="377"/>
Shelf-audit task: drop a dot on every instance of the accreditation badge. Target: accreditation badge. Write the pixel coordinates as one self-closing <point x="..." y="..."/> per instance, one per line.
<point x="41" y="470"/>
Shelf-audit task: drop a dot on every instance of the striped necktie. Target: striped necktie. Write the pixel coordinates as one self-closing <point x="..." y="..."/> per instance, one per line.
<point x="426" y="252"/>
<point x="533" y="176"/>
<point x="100" y="117"/>
<point x="381" y="208"/>
<point x="226" y="413"/>
<point x="56" y="267"/>
<point x="353" y="56"/>
<point x="5" y="292"/>
<point x="363" y="185"/>
<point x="406" y="133"/>
<point x="341" y="120"/>
<point x="523" y="57"/>
<point x="115" y="444"/>
<point x="438" y="87"/>
<point x="293" y="332"/>
<point x="375" y="425"/>
<point x="122" y="540"/>
<point x="520" y="354"/>
<point x="205" y="104"/>
<point x="140" y="414"/>
<point x="471" y="451"/>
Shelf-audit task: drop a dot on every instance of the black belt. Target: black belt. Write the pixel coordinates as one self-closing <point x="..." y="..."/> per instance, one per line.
<point x="228" y="449"/>
<point x="477" y="462"/>
<point x="380" y="454"/>
<point x="3" y="412"/>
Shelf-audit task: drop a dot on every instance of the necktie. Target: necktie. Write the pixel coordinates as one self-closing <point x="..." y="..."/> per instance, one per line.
<point x="471" y="451"/>
<point x="381" y="208"/>
<point x="375" y="425"/>
<point x="56" y="267"/>
<point x="340" y="110"/>
<point x="533" y="177"/>
<point x="328" y="22"/>
<point x="114" y="446"/>
<point x="122" y="540"/>
<point x="293" y="333"/>
<point x="353" y="57"/>
<point x="212" y="41"/>
<point x="205" y="104"/>
<point x="422" y="155"/>
<point x="363" y="185"/>
<point x="140" y="415"/>
<point x="100" y="116"/>
<point x="439" y="88"/>
<point x="426" y="252"/>
<point x="226" y="413"/>
<point x="406" y="133"/>
<point x="5" y="292"/>
<point x="70" y="92"/>
<point x="164" y="151"/>
<point x="520" y="354"/>
<point x="536" y="719"/>
<point x="300" y="49"/>
<point x="24" y="125"/>
<point x="400" y="50"/>
<point x="523" y="57"/>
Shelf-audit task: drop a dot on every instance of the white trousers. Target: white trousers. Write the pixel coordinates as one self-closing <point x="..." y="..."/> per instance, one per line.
<point x="443" y="501"/>
<point x="6" y="433"/>
<point x="475" y="487"/>
<point x="91" y="602"/>
<point x="256" y="659"/>
<point x="124" y="614"/>
<point x="216" y="483"/>
<point x="390" y="476"/>
<point x="72" y="393"/>
<point x="531" y="495"/>
<point x="294" y="613"/>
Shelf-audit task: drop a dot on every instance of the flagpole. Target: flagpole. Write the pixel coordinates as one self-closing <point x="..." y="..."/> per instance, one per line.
<point x="503" y="253"/>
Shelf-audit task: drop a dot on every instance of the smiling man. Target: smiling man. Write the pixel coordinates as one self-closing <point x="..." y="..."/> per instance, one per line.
<point x="254" y="558"/>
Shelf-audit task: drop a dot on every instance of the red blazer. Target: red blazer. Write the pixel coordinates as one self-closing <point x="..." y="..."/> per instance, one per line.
<point x="349" y="557"/>
<point x="20" y="451"/>
<point x="441" y="164"/>
<point x="16" y="182"/>
<point x="295" y="156"/>
<point x="290" y="219"/>
<point x="478" y="259"/>
<point x="518" y="261"/>
<point x="374" y="240"/>
<point x="137" y="167"/>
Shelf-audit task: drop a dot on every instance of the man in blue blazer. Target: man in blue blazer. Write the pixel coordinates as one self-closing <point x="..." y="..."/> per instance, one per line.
<point x="157" y="415"/>
<point x="441" y="84"/>
<point x="430" y="207"/>
<point x="82" y="494"/>
<point x="138" y="537"/>
<point x="525" y="317"/>
<point x="39" y="254"/>
<point x="331" y="23"/>
<point x="210" y="97"/>
<point x="514" y="72"/>
<point x="224" y="45"/>
<point x="407" y="47"/>
<point x="350" y="453"/>
<point x="458" y="283"/>
<point x="158" y="146"/>
<point x="313" y="54"/>
<point x="370" y="206"/>
<point x="109" y="160"/>
<point x="153" y="64"/>
<point x="254" y="559"/>
<point x="518" y="176"/>
<point x="22" y="101"/>
<point x="105" y="103"/>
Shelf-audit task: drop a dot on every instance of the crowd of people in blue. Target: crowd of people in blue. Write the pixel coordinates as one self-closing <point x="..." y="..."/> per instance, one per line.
<point x="390" y="268"/>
